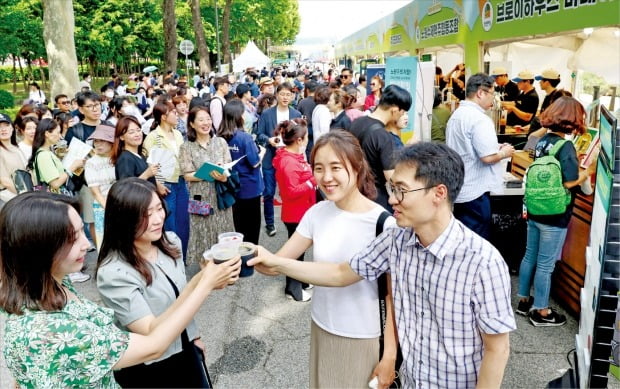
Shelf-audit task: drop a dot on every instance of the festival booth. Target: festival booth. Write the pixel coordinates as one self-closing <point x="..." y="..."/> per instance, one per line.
<point x="574" y="37"/>
<point x="251" y="56"/>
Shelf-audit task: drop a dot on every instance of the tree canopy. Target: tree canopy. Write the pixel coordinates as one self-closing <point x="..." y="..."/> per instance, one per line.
<point x="123" y="32"/>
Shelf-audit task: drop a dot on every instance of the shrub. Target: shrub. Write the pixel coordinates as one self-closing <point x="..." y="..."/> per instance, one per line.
<point x="6" y="100"/>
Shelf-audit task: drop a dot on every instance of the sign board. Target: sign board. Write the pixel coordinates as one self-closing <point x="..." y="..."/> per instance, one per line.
<point x="186" y="47"/>
<point x="402" y="71"/>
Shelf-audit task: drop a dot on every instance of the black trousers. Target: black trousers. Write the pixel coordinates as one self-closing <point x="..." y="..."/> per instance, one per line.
<point x="246" y="218"/>
<point x="293" y="287"/>
<point x="476" y="215"/>
<point x="186" y="369"/>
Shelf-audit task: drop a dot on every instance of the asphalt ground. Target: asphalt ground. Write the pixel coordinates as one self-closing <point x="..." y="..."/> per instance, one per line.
<point x="255" y="337"/>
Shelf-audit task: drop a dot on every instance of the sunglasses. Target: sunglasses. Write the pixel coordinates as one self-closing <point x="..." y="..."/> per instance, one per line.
<point x="345" y="76"/>
<point x="64" y="102"/>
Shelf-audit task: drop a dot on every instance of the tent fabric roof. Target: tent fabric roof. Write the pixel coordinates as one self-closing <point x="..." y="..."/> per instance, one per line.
<point x="251" y="56"/>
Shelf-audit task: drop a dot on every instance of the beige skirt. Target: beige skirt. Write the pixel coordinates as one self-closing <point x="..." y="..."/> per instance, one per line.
<point x="340" y="362"/>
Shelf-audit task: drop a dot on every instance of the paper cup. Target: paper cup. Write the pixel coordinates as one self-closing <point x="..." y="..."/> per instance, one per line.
<point x="230" y="237"/>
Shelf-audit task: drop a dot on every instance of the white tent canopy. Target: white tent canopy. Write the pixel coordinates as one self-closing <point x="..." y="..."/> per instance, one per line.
<point x="251" y="56"/>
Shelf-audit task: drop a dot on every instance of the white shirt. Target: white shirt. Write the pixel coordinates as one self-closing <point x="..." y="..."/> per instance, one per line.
<point x="26" y="150"/>
<point x="471" y="133"/>
<point x="337" y="235"/>
<point x="37" y="96"/>
<point x="281" y="115"/>
<point x="321" y="120"/>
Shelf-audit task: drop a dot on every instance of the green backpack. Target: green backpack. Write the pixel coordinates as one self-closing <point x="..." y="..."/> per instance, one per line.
<point x="545" y="193"/>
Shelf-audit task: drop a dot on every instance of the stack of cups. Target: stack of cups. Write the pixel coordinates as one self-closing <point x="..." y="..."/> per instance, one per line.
<point x="231" y="244"/>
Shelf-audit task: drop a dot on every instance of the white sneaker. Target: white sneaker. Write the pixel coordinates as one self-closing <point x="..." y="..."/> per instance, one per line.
<point x="309" y="287"/>
<point x="305" y="296"/>
<point x="79" y="277"/>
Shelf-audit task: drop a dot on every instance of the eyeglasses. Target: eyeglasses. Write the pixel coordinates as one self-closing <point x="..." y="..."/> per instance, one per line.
<point x="133" y="131"/>
<point x="285" y="94"/>
<point x="93" y="107"/>
<point x="399" y="193"/>
<point x="373" y="84"/>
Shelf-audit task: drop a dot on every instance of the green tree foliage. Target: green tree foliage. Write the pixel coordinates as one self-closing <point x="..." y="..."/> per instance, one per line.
<point x="21" y="29"/>
<point x="129" y="33"/>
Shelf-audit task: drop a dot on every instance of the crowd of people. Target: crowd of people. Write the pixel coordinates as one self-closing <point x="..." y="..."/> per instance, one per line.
<point x="331" y="149"/>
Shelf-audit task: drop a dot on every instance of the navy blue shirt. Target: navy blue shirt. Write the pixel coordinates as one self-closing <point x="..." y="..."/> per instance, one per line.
<point x="242" y="144"/>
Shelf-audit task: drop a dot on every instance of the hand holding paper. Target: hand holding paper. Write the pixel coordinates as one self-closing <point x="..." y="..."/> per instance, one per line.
<point x="78" y="150"/>
<point x="166" y="161"/>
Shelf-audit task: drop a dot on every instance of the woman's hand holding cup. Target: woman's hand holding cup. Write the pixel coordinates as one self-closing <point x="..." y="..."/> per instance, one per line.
<point x="222" y="274"/>
<point x="264" y="262"/>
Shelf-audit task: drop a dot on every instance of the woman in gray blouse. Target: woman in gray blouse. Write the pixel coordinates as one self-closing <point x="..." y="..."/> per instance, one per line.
<point x="140" y="275"/>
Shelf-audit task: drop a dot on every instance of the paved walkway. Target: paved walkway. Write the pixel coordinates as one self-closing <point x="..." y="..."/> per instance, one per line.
<point x="257" y="338"/>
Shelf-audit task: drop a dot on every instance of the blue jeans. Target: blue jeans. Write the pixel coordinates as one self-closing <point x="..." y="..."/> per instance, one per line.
<point x="178" y="217"/>
<point x="543" y="249"/>
<point x="269" y="178"/>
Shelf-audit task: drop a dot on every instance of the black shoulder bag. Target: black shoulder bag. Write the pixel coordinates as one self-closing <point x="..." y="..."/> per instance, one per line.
<point x="383" y="291"/>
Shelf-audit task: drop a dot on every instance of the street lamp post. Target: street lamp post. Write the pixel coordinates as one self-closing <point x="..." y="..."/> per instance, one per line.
<point x="217" y="39"/>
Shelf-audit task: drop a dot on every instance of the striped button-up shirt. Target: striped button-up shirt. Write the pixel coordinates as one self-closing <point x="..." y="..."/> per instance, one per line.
<point x="470" y="132"/>
<point x="445" y="296"/>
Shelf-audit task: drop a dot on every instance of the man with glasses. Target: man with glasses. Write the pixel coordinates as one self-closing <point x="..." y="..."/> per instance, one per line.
<point x="267" y="123"/>
<point x="89" y="105"/>
<point x="346" y="76"/>
<point x="63" y="104"/>
<point x="451" y="288"/>
<point x="376" y="141"/>
<point x="471" y="133"/>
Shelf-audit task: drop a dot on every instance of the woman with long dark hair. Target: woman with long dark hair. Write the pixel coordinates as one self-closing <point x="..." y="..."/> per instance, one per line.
<point x="47" y="166"/>
<point x="203" y="146"/>
<point x="246" y="210"/>
<point x="140" y="275"/>
<point x="164" y="135"/>
<point x="127" y="153"/>
<point x="55" y="337"/>
<point x="11" y="158"/>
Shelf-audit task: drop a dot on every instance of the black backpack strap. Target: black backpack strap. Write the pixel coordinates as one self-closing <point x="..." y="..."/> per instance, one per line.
<point x="382" y="280"/>
<point x="380" y="222"/>
<point x="382" y="287"/>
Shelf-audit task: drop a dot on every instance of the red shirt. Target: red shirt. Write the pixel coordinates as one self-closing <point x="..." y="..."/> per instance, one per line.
<point x="296" y="183"/>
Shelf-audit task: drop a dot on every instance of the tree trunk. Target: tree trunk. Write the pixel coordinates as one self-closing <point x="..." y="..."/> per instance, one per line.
<point x="58" y="26"/>
<point x="30" y="71"/>
<point x="201" y="42"/>
<point x="43" y="78"/>
<point x="14" y="74"/>
<point x="226" y="33"/>
<point x="170" y="36"/>
<point x="21" y="71"/>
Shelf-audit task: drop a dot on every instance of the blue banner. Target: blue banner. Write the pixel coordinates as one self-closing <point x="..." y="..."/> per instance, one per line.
<point x="403" y="71"/>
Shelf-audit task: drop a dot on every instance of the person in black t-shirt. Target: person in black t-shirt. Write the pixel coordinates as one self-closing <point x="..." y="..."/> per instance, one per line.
<point x="549" y="80"/>
<point x="507" y="89"/>
<point x="377" y="142"/>
<point x="523" y="109"/>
